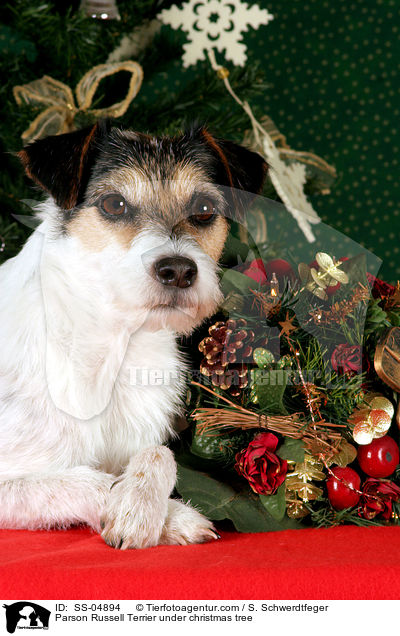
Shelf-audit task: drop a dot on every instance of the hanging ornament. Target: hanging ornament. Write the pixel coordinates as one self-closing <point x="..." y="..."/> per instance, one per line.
<point x="227" y="350"/>
<point x="58" y="98"/>
<point x="100" y="9"/>
<point x="215" y="24"/>
<point x="372" y="419"/>
<point x="322" y="174"/>
<point x="288" y="180"/>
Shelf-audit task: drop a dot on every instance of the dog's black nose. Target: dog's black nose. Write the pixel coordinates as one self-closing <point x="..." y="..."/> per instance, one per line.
<point x="176" y="271"/>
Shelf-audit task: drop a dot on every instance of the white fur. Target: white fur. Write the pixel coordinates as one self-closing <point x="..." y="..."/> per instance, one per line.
<point x="73" y="327"/>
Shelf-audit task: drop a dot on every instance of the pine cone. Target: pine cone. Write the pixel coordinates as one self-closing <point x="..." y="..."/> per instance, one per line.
<point x="227" y="350"/>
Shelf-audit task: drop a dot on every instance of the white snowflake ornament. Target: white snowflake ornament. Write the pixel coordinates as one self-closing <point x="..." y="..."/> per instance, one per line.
<point x="215" y="24"/>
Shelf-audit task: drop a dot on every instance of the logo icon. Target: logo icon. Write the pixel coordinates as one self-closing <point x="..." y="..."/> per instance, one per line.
<point x="26" y="615"/>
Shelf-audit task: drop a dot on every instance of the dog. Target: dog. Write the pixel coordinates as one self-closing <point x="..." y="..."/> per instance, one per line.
<point x="125" y="258"/>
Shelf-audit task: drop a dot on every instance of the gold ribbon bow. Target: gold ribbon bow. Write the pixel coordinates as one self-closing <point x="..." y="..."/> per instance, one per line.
<point x="61" y="109"/>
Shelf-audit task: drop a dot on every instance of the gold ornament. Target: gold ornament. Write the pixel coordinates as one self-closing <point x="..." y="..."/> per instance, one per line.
<point x="328" y="273"/>
<point x="346" y="455"/>
<point x="295" y="508"/>
<point x="61" y="109"/>
<point x="223" y="72"/>
<point x="387" y="359"/>
<point x="372" y="420"/>
<point x="299" y="481"/>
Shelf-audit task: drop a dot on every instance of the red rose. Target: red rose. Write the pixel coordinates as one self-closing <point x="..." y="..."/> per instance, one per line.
<point x="379" y="288"/>
<point x="258" y="463"/>
<point x="384" y="494"/>
<point x="347" y="358"/>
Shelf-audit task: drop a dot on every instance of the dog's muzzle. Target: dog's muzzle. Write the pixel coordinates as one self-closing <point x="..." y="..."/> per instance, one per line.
<point x="175" y="271"/>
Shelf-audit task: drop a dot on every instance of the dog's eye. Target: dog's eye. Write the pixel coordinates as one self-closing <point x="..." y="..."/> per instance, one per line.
<point x="113" y="204"/>
<point x="202" y="211"/>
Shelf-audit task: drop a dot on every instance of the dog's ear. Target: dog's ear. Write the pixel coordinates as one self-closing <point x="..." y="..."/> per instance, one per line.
<point x="61" y="164"/>
<point x="236" y="166"/>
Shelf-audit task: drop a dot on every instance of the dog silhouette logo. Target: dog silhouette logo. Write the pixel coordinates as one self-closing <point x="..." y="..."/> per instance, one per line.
<point x="26" y="615"/>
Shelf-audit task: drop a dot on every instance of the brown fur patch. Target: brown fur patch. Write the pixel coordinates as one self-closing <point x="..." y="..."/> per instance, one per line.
<point x="95" y="233"/>
<point x="210" y="238"/>
<point x="213" y="144"/>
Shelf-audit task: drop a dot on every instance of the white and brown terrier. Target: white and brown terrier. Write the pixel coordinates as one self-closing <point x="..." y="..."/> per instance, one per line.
<point x="125" y="257"/>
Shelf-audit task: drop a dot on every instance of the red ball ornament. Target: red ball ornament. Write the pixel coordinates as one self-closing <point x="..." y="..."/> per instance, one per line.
<point x="339" y="495"/>
<point x="380" y="457"/>
<point x="282" y="269"/>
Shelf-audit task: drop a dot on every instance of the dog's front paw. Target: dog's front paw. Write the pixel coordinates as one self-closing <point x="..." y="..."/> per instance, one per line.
<point x="131" y="520"/>
<point x="185" y="525"/>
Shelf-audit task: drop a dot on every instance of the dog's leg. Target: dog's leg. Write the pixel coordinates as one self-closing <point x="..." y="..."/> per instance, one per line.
<point x="74" y="495"/>
<point x="138" y="502"/>
<point x="185" y="525"/>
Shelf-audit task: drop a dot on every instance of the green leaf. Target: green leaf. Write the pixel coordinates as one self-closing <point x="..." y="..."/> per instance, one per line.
<point x="269" y="387"/>
<point x="292" y="449"/>
<point x="217" y="501"/>
<point x="222" y="447"/>
<point x="208" y="447"/>
<point x="394" y="318"/>
<point x="275" y="505"/>
<point x="232" y="280"/>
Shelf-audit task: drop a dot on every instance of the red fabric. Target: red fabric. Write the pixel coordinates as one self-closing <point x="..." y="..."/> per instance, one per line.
<point x="336" y="563"/>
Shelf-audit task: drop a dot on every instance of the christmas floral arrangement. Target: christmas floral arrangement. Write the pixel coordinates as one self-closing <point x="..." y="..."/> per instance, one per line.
<point x="292" y="410"/>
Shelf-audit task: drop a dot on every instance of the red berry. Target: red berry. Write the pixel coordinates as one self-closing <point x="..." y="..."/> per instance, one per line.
<point x="339" y="494"/>
<point x="332" y="289"/>
<point x="380" y="457"/>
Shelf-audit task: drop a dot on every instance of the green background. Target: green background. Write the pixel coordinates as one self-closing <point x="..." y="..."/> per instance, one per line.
<point x="332" y="70"/>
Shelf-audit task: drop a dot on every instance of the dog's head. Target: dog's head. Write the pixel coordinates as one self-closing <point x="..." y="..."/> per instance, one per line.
<point x="156" y="210"/>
